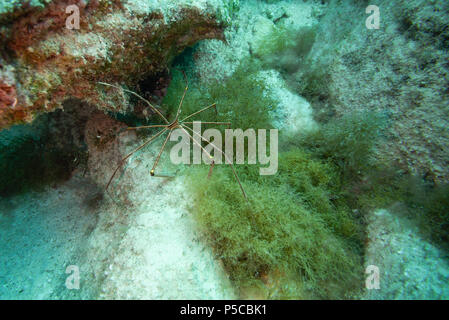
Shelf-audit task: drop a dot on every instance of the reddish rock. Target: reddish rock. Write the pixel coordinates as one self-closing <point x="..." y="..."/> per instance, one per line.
<point x="47" y="63"/>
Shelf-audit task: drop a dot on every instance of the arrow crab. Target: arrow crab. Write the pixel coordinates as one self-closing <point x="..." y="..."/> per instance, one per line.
<point x="169" y="127"/>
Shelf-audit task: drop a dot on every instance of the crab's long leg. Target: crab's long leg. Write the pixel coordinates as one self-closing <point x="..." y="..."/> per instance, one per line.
<point x="160" y="153"/>
<point x="140" y="97"/>
<point x="183" y="96"/>
<point x="197" y="143"/>
<point x="210" y="169"/>
<point x="135" y="150"/>
<point x="199" y="111"/>
<point x="212" y="164"/>
<point x="225" y="156"/>
<point x="208" y="122"/>
<point x="147" y="127"/>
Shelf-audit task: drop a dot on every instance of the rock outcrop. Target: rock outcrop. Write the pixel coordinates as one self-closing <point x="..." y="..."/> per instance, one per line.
<point x="399" y="70"/>
<point x="43" y="62"/>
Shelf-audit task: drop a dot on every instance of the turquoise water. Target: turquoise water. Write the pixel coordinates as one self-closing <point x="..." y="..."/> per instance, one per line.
<point x="357" y="208"/>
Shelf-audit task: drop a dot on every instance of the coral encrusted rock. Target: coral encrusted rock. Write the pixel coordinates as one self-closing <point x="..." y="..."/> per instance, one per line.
<point x="123" y="42"/>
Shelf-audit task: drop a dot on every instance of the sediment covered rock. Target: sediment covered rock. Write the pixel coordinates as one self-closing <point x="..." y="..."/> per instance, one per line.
<point x="399" y="70"/>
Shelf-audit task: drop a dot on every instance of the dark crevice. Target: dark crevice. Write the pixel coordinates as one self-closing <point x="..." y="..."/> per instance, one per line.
<point x="44" y="152"/>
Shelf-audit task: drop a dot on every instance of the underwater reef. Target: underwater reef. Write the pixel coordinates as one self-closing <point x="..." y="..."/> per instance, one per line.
<point x="45" y="63"/>
<point x="362" y="163"/>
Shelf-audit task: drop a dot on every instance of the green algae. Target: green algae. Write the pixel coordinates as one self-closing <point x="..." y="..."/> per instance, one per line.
<point x="240" y="99"/>
<point x="290" y="231"/>
<point x="297" y="236"/>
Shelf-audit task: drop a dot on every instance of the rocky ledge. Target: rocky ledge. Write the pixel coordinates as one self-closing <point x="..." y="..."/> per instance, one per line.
<point x="43" y="62"/>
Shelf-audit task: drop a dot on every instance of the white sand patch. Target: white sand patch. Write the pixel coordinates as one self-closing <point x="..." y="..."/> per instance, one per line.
<point x="293" y="114"/>
<point x="161" y="256"/>
<point x="41" y="233"/>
